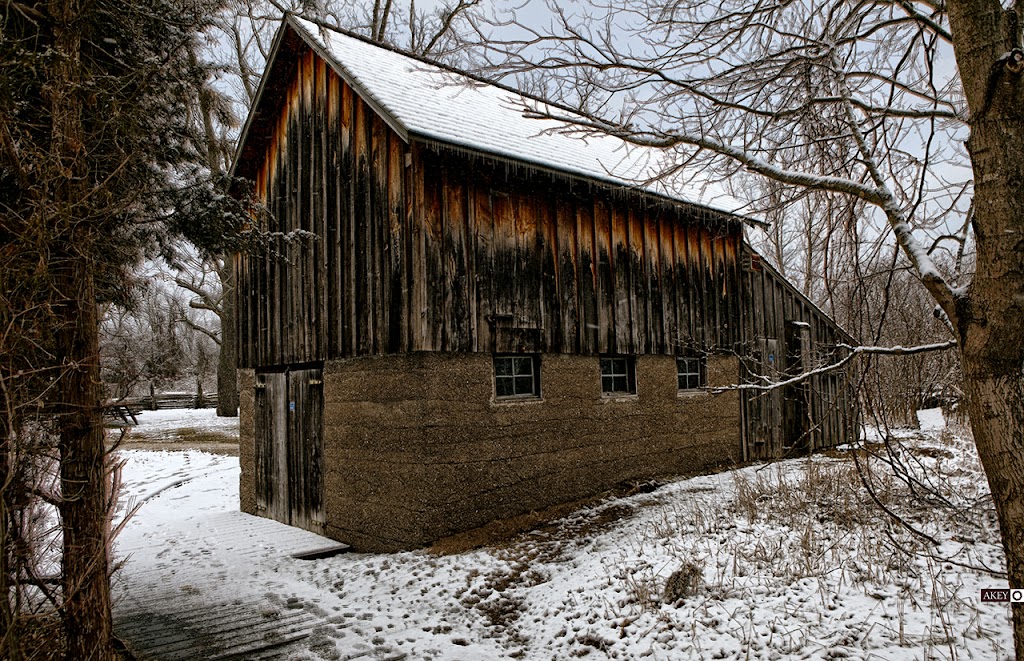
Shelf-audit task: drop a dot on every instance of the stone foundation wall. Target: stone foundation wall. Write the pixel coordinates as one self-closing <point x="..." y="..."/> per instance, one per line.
<point x="247" y="440"/>
<point x="416" y="447"/>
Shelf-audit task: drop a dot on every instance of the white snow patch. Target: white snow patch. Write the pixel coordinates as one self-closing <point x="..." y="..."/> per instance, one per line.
<point x="785" y="574"/>
<point x="931" y="420"/>
<point x="163" y="424"/>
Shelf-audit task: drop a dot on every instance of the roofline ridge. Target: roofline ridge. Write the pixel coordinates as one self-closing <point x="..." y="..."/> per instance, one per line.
<point x="424" y="59"/>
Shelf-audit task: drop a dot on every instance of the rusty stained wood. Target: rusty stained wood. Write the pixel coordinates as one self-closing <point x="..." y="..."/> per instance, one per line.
<point x="413" y="251"/>
<point x="456" y="267"/>
<point x="621" y="283"/>
<point x="397" y="233"/>
<point x="486" y="277"/>
<point x="380" y="235"/>
<point x="333" y="316"/>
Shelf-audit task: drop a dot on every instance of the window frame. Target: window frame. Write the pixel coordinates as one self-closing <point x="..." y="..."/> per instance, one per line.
<point x="514" y="377"/>
<point x="701" y="372"/>
<point x="629" y="373"/>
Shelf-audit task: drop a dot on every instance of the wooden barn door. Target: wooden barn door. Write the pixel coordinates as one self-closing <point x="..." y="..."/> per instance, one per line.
<point x="305" y="448"/>
<point x="763" y="408"/>
<point x="271" y="444"/>
<point x="796" y="422"/>
<point x="289" y="447"/>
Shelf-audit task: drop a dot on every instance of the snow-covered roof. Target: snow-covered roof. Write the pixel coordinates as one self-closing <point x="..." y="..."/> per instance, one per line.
<point x="428" y="101"/>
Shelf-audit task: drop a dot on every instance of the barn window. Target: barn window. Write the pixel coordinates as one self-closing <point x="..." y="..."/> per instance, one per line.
<point x="618" y="375"/>
<point x="516" y="376"/>
<point x="692" y="372"/>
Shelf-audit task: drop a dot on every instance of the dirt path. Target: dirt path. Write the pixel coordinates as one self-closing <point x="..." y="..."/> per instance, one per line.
<point x="226" y="448"/>
<point x="186" y="438"/>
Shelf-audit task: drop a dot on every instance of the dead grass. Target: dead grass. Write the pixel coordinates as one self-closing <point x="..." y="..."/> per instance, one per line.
<point x="550" y="522"/>
<point x="185" y="438"/>
<point x="828" y="519"/>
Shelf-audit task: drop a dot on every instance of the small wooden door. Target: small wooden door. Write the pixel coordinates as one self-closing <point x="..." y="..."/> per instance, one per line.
<point x="762" y="409"/>
<point x="796" y="422"/>
<point x="289" y="447"/>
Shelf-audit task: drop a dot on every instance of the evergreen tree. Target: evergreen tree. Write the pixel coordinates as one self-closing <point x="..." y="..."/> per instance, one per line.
<point x="95" y="163"/>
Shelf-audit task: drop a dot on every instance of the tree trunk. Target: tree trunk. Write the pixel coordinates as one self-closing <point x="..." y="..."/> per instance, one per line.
<point x="992" y="335"/>
<point x="227" y="368"/>
<point x="83" y="504"/>
<point x="987" y="41"/>
<point x="9" y="644"/>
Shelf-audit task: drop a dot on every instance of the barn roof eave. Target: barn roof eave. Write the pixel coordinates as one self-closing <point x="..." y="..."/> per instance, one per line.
<point x="243" y="137"/>
<point x="352" y="81"/>
<point x="609" y="182"/>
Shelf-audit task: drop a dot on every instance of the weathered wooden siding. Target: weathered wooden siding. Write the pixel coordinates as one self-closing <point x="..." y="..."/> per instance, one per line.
<point x="332" y="280"/>
<point x="516" y="260"/>
<point x="380" y="246"/>
<point x="785" y="335"/>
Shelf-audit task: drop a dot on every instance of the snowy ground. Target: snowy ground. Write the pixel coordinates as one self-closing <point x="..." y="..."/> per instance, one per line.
<point x="171" y="423"/>
<point x="182" y="429"/>
<point x="789" y="560"/>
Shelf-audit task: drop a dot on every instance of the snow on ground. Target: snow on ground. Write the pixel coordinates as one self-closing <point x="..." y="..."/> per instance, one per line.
<point x="167" y="424"/>
<point x="788" y="560"/>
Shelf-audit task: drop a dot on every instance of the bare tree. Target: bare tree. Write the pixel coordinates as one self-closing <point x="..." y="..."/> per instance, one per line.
<point x="729" y="84"/>
<point x="159" y="341"/>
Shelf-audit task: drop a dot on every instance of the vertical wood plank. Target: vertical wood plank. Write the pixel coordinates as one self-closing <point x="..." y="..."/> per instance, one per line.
<point x="568" y="278"/>
<point x="453" y="246"/>
<point x="689" y="336"/>
<point x="694" y="271"/>
<point x="505" y="265"/>
<point x="421" y="303"/>
<point x="589" y="304"/>
<point x="472" y="281"/>
<point x="639" y="300"/>
<point x="605" y="282"/>
<point x="438" y="301"/>
<point x="396" y="319"/>
<point x="621" y="281"/>
<point x="528" y="261"/>
<point x="551" y="320"/>
<point x="332" y="175"/>
<point x="362" y="247"/>
<point x="347" y="214"/>
<point x="671" y="261"/>
<point x="483" y="233"/>
<point x="734" y="291"/>
<point x="381" y="303"/>
<point x="721" y="294"/>
<point x="652" y="284"/>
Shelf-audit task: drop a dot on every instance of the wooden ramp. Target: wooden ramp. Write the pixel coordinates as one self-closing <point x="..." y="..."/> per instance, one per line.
<point x="226" y="590"/>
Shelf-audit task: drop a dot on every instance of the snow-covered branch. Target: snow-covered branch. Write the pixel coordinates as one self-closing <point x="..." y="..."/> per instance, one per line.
<point x="852" y="353"/>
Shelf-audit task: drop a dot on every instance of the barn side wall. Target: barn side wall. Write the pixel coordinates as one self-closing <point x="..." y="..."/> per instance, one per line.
<point x="379" y="246"/>
<point x="416" y="448"/>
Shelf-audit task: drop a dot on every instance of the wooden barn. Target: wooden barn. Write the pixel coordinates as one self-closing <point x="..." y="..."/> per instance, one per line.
<point x="465" y="316"/>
